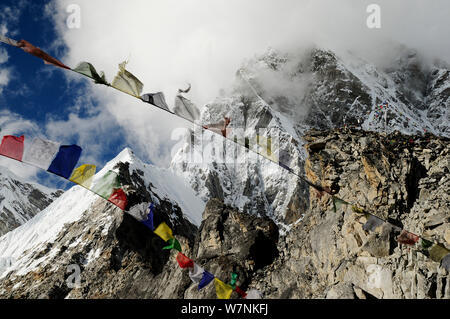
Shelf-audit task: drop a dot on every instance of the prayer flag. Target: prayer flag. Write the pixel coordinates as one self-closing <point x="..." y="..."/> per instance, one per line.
<point x="337" y="203"/>
<point x="119" y="198"/>
<point x="105" y="186"/>
<point x="65" y="160"/>
<point x="445" y="263"/>
<point x="223" y="290"/>
<point x="357" y="210"/>
<point x="240" y="292"/>
<point x="220" y="127"/>
<point x="196" y="273"/>
<point x="88" y="70"/>
<point x="156" y="99"/>
<point x="184" y="261"/>
<point x="9" y="41"/>
<point x="173" y="244"/>
<point x="40" y="153"/>
<point x="149" y="221"/>
<point x="206" y="279"/>
<point x="12" y="147"/>
<point x="31" y="49"/>
<point x="186" y="109"/>
<point x="233" y="280"/>
<point x="127" y="82"/>
<point x="438" y="252"/>
<point x="407" y="238"/>
<point x="83" y="175"/>
<point x="372" y="223"/>
<point x="164" y="231"/>
<point x="426" y="243"/>
<point x="253" y="294"/>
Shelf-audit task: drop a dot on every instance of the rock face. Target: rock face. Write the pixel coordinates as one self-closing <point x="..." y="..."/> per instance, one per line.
<point x="315" y="89"/>
<point x="20" y="201"/>
<point x="328" y="254"/>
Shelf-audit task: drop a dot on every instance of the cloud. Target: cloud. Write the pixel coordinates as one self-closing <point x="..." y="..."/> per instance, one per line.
<point x="171" y="42"/>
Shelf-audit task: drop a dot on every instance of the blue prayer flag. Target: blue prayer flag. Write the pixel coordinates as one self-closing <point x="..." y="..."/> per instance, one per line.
<point x="65" y="161"/>
<point x="149" y="221"/>
<point x="206" y="279"/>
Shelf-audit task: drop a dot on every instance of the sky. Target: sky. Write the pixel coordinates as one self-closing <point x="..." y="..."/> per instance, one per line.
<point x="168" y="44"/>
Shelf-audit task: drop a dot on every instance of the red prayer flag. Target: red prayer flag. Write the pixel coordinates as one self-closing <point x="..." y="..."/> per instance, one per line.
<point x="12" y="147"/>
<point x="119" y="198"/>
<point x="31" y="49"/>
<point x="407" y="238"/>
<point x="184" y="261"/>
<point x="240" y="292"/>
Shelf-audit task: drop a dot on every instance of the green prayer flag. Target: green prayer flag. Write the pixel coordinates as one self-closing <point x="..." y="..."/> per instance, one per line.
<point x="88" y="70"/>
<point x="173" y="244"/>
<point x="106" y="185"/>
<point x="233" y="280"/>
<point x="337" y="203"/>
<point x="426" y="243"/>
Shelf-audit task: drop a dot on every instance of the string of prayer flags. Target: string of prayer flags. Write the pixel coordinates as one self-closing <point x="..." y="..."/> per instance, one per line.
<point x="65" y="160"/>
<point x="156" y="99"/>
<point x="186" y="109"/>
<point x="253" y="294"/>
<point x="87" y="69"/>
<point x="9" y="41"/>
<point x="126" y="82"/>
<point x="119" y="198"/>
<point x="164" y="231"/>
<point x="40" y="153"/>
<point x="149" y="221"/>
<point x="173" y="244"/>
<point x="372" y="223"/>
<point x="83" y="175"/>
<point x="12" y="147"/>
<point x="37" y="52"/>
<point x="206" y="279"/>
<point x="184" y="261"/>
<point x="196" y="273"/>
<point x="407" y="238"/>
<point x="223" y="290"/>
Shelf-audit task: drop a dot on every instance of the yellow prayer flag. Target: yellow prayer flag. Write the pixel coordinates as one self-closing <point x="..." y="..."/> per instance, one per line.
<point x="83" y="175"/>
<point x="266" y="147"/>
<point x="437" y="252"/>
<point x="164" y="231"/>
<point x="223" y="290"/>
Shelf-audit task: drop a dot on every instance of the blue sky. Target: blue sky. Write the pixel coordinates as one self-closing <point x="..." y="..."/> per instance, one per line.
<point x="41" y="93"/>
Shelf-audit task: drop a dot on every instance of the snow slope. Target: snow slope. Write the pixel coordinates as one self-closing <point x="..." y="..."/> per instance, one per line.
<point x="17" y="246"/>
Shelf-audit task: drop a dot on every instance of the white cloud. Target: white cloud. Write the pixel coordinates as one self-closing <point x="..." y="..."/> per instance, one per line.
<point x="171" y="42"/>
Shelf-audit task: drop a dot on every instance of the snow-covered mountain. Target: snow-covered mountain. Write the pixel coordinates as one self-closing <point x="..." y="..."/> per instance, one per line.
<point x="21" y="200"/>
<point x="283" y="95"/>
<point x="28" y="246"/>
